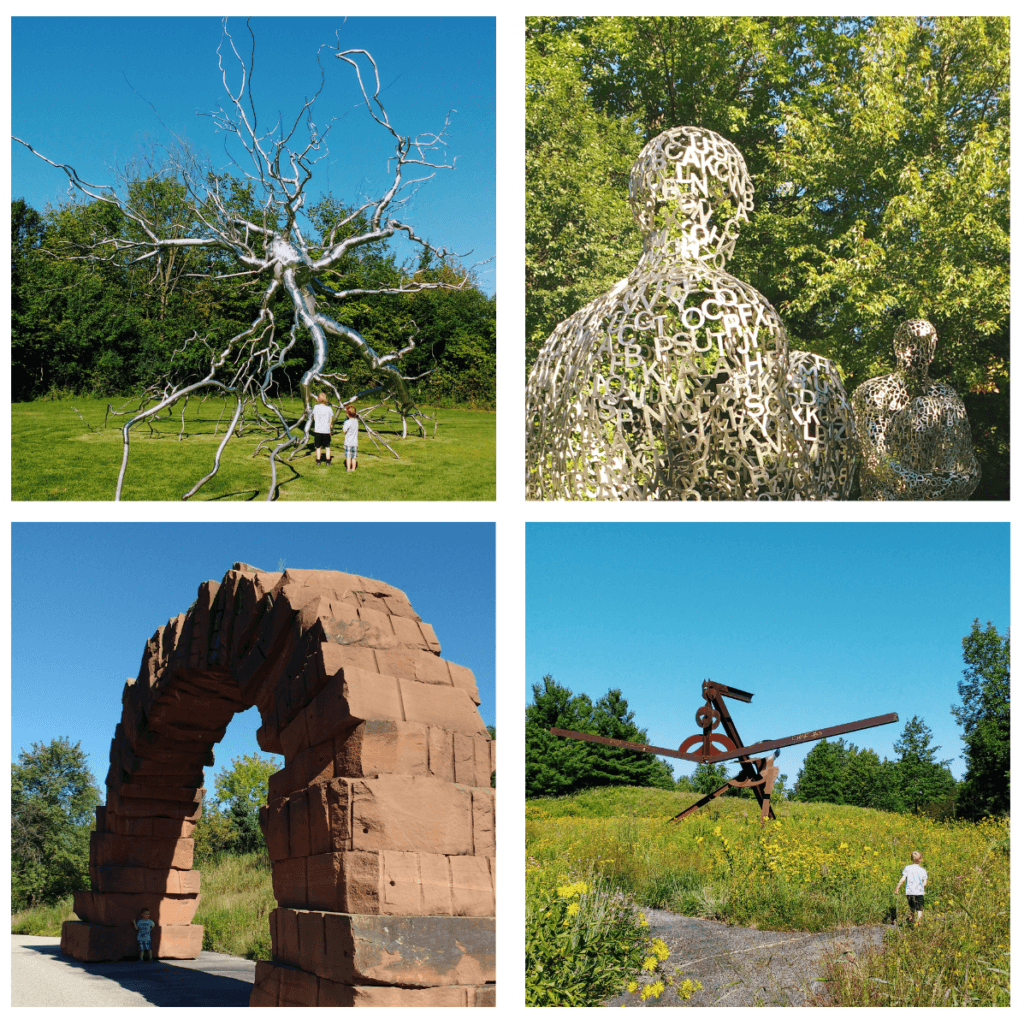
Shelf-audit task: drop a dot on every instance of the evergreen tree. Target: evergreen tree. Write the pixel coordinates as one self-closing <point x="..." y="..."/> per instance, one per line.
<point x="707" y="777"/>
<point x="556" y="766"/>
<point x="923" y="779"/>
<point x="985" y="718"/>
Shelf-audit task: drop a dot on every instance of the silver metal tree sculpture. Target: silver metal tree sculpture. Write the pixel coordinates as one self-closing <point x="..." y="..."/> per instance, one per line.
<point x="678" y="383"/>
<point x="276" y="250"/>
<point x="913" y="432"/>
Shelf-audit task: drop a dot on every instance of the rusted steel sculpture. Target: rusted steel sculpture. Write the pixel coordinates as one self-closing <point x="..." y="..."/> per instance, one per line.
<point x="707" y="746"/>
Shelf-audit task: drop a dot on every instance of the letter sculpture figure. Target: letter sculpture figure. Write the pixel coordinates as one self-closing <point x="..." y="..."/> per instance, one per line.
<point x="913" y="432"/>
<point x="678" y="383"/>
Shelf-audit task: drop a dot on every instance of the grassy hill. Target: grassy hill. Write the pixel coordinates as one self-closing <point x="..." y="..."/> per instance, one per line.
<point x="236" y="900"/>
<point x="61" y="450"/>
<point x="818" y="867"/>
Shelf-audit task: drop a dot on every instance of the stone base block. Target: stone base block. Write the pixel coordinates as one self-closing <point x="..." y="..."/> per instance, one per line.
<point x="414" y="951"/>
<point x="94" y="943"/>
<point x="114" y="909"/>
<point x="279" y="986"/>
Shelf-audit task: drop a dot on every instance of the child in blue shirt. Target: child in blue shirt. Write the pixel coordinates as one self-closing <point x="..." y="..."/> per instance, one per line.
<point x="351" y="430"/>
<point x="144" y="927"/>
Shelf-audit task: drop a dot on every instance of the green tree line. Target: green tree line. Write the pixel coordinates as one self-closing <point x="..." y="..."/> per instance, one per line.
<point x="833" y="772"/>
<point x="879" y="151"/>
<point x="114" y="326"/>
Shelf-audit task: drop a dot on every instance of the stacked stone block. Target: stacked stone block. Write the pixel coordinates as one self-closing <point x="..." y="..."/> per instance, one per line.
<point x="380" y="826"/>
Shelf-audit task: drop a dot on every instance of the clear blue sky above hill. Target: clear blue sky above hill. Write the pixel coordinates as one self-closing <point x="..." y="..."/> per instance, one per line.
<point x="89" y="92"/>
<point x="87" y="597"/>
<point x="823" y="623"/>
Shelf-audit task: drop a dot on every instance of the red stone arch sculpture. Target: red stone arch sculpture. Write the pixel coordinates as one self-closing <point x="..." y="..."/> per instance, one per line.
<point x="380" y="827"/>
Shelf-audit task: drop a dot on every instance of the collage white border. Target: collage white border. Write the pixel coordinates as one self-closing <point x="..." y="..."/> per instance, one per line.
<point x="510" y="513"/>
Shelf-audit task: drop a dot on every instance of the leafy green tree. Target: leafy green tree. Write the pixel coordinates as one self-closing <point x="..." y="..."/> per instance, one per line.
<point x="579" y="231"/>
<point x="821" y="778"/>
<point x="879" y="153"/>
<point x="923" y="779"/>
<point x="556" y="766"/>
<point x="870" y="782"/>
<point x="241" y="791"/>
<point x="984" y="716"/>
<point x="53" y="801"/>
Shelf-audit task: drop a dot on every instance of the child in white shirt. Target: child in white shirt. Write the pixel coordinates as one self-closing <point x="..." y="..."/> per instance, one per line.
<point x="322" y="417"/>
<point x="916" y="877"/>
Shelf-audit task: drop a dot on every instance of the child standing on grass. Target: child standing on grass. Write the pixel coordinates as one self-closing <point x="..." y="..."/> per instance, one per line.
<point x="144" y="928"/>
<point x="916" y="877"/>
<point x="351" y="430"/>
<point x="322" y="418"/>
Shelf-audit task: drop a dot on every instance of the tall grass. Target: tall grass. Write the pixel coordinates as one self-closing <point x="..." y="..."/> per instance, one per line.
<point x="237" y="898"/>
<point x="44" y="921"/>
<point x="818" y="867"/>
<point x="236" y="904"/>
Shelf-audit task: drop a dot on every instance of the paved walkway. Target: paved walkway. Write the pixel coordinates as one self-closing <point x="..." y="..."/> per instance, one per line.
<point x="41" y="976"/>
<point x="741" y="966"/>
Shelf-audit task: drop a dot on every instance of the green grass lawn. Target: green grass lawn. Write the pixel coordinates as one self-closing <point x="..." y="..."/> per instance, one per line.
<point x="55" y="454"/>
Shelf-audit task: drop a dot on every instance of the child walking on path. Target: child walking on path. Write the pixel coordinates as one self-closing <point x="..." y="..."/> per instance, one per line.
<point x="144" y="928"/>
<point x="916" y="877"/>
<point x="322" y="418"/>
<point x="351" y="430"/>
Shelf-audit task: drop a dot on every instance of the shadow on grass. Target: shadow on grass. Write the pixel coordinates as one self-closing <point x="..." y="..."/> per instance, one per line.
<point x="230" y="495"/>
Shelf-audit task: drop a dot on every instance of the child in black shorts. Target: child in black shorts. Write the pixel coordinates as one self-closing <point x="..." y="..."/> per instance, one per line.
<point x="322" y="417"/>
<point x="916" y="877"/>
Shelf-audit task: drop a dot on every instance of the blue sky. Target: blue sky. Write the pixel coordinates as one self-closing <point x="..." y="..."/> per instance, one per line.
<point x="823" y="623"/>
<point x="90" y="91"/>
<point x="86" y="597"/>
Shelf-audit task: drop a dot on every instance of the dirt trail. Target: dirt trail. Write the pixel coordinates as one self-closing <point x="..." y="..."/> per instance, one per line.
<point x="740" y="966"/>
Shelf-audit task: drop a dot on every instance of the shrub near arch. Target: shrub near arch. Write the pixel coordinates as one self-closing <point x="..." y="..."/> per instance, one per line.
<point x="380" y="826"/>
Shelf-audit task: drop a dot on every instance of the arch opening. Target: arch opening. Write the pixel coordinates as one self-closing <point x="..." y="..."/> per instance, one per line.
<point x="380" y="826"/>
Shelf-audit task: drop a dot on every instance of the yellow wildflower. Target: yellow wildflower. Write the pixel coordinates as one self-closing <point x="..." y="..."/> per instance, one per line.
<point x="652" y="991"/>
<point x="568" y="891"/>
<point x="632" y="987"/>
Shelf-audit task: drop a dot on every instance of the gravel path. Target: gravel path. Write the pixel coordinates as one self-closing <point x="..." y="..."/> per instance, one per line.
<point x="743" y="966"/>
